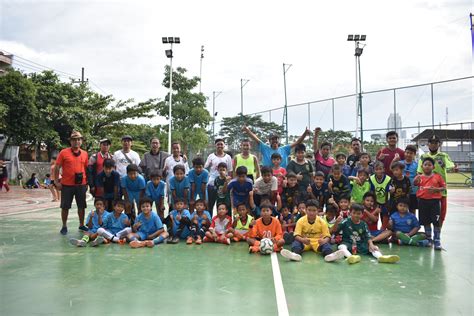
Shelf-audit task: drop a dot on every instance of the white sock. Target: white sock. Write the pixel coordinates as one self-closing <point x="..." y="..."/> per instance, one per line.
<point x="123" y="233"/>
<point x="104" y="233"/>
<point x="377" y="254"/>
<point x="347" y="253"/>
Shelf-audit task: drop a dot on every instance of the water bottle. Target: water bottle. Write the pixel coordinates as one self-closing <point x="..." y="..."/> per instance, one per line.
<point x="354" y="247"/>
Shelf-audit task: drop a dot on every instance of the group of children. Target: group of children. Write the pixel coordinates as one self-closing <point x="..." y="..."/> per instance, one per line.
<point x="335" y="213"/>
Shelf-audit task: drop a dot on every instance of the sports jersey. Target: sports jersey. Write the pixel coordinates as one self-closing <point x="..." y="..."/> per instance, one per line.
<point x="329" y="223"/>
<point x="305" y="169"/>
<point x="222" y="197"/>
<point x="180" y="186"/>
<point x="241" y="228"/>
<point x="411" y="172"/>
<point x="442" y="164"/>
<point x="149" y="225"/>
<point x="170" y="163"/>
<point x="248" y="163"/>
<point x="358" y="167"/>
<point x="221" y="225"/>
<point x="201" y="217"/>
<point x="346" y="170"/>
<point x="404" y="223"/>
<point x="358" y="191"/>
<point x="339" y="187"/>
<point x="316" y="230"/>
<point x="267" y="152"/>
<point x="373" y="225"/>
<point x="280" y="174"/>
<point x="95" y="220"/>
<point x="198" y="180"/>
<point x="434" y="180"/>
<point x="240" y="191"/>
<point x="380" y="188"/>
<point x="289" y="197"/>
<point x="133" y="187"/>
<point x="109" y="183"/>
<point x="115" y="224"/>
<point x="387" y="161"/>
<point x="184" y="213"/>
<point x="402" y="188"/>
<point x="155" y="193"/>
<point x="358" y="233"/>
<point x="264" y="188"/>
<point x="272" y="230"/>
<point x="323" y="164"/>
<point x="321" y="194"/>
<point x="213" y="161"/>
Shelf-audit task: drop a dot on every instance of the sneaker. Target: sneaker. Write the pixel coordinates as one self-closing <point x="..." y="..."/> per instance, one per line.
<point x="189" y="240"/>
<point x="97" y="241"/>
<point x="437" y="244"/>
<point x="169" y="240"/>
<point x="77" y="242"/>
<point x="173" y="240"/>
<point x="389" y="259"/>
<point x="424" y="243"/>
<point x="353" y="259"/>
<point x="290" y="255"/>
<point x="83" y="228"/>
<point x="198" y="241"/>
<point x="336" y="255"/>
<point x="227" y="241"/>
<point x="149" y="243"/>
<point x="63" y="230"/>
<point x="137" y="244"/>
<point x="289" y="238"/>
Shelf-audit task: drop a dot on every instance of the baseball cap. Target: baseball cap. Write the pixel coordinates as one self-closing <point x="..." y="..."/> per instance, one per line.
<point x="105" y="140"/>
<point x="434" y="139"/>
<point x="75" y="134"/>
<point x="125" y="137"/>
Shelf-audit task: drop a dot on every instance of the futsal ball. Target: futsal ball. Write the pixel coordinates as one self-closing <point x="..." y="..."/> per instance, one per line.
<point x="266" y="246"/>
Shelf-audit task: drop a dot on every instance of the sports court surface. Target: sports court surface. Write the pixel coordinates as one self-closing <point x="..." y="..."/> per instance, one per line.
<point x="42" y="274"/>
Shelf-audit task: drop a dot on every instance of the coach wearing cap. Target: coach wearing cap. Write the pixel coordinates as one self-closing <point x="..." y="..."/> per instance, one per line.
<point x="96" y="165"/>
<point x="73" y="161"/>
<point x="274" y="147"/>
<point x="154" y="160"/>
<point x="125" y="156"/>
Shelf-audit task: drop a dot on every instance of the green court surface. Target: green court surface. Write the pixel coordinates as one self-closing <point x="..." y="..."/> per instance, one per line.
<point x="41" y="274"/>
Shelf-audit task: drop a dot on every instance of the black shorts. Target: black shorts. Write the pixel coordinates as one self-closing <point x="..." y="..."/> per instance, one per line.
<point x="68" y="192"/>
<point x="429" y="211"/>
<point x="413" y="203"/>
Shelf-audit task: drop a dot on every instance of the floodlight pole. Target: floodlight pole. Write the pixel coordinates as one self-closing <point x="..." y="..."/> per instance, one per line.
<point x="200" y="68"/>
<point x="360" y="101"/>
<point x="215" y="94"/>
<point x="171" y="95"/>
<point x="358" y="52"/>
<point x="243" y="82"/>
<point x="286" y="67"/>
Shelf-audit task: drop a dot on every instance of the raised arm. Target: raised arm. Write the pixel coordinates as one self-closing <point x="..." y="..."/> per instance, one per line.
<point x="247" y="131"/>
<point x="301" y="138"/>
<point x="317" y="130"/>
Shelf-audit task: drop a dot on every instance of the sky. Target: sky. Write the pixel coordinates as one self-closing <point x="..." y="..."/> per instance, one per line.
<point x="119" y="44"/>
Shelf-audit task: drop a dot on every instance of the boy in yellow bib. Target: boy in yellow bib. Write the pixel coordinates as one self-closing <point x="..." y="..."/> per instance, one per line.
<point x="246" y="159"/>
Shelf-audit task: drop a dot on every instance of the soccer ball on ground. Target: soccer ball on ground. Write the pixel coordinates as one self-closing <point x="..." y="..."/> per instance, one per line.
<point x="266" y="246"/>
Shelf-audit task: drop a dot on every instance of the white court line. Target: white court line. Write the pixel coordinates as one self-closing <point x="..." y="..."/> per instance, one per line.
<point x="461" y="205"/>
<point x="279" y="290"/>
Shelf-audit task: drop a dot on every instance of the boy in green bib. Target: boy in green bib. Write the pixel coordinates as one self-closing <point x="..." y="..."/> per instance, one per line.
<point x="380" y="185"/>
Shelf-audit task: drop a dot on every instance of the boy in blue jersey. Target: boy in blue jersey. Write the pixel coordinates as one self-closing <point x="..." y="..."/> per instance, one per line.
<point x="405" y="226"/>
<point x="198" y="178"/>
<point x="411" y="167"/>
<point x="133" y="186"/>
<point x="94" y="221"/>
<point x="241" y="189"/>
<point x="181" y="221"/>
<point x="116" y="225"/>
<point x="179" y="185"/>
<point x="201" y="220"/>
<point x="108" y="182"/>
<point x="155" y="191"/>
<point x="148" y="229"/>
<point x="318" y="190"/>
<point x="341" y="161"/>
<point x="338" y="183"/>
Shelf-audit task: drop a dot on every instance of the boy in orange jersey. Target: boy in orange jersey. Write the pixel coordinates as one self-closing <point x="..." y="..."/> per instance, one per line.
<point x="266" y="227"/>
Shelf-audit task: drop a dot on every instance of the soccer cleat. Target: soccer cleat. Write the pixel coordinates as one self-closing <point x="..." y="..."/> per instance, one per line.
<point x="290" y="255"/>
<point x="77" y="242"/>
<point x="63" y="230"/>
<point x="227" y="241"/>
<point x="149" y="243"/>
<point x="173" y="240"/>
<point x="136" y="244"/>
<point x="424" y="243"/>
<point x="83" y="228"/>
<point x="336" y="255"/>
<point x="353" y="259"/>
<point x="97" y="241"/>
<point x="437" y="244"/>
<point x="198" y="240"/>
<point x="389" y="259"/>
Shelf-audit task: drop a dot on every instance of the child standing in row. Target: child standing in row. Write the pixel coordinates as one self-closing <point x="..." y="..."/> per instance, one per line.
<point x="246" y="159"/>
<point x="302" y="168"/>
<point x="108" y="183"/>
<point x="155" y="191"/>
<point x="380" y="185"/>
<point x="198" y="178"/>
<point x="278" y="171"/>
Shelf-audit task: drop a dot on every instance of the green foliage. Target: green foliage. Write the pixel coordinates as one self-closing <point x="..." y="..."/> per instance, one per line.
<point x="189" y="113"/>
<point x="231" y="129"/>
<point x="373" y="147"/>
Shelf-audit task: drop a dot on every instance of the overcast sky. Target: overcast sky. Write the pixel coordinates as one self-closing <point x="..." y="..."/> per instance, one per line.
<point x="119" y="44"/>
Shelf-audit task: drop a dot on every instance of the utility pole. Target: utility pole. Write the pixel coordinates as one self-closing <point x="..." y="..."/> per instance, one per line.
<point x="286" y="67"/>
<point x="200" y="68"/>
<point x="82" y="78"/>
<point x="243" y="82"/>
<point x="215" y="94"/>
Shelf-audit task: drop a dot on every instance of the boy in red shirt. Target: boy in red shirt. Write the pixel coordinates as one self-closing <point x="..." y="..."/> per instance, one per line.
<point x="429" y="194"/>
<point x="278" y="171"/>
<point x="266" y="227"/>
<point x="387" y="154"/>
<point x="221" y="230"/>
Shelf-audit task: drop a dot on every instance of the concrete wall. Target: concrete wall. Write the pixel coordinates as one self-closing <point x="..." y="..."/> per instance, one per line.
<point x="27" y="168"/>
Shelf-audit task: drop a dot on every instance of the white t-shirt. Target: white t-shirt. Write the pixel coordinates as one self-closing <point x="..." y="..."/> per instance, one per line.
<point x="263" y="188"/>
<point x="212" y="162"/>
<point x="121" y="162"/>
<point x="170" y="162"/>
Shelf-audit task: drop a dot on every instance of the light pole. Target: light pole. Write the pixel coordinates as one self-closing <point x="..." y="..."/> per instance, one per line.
<point x="200" y="68"/>
<point x="243" y="82"/>
<point x="215" y="94"/>
<point x="358" y="52"/>
<point x="169" y="54"/>
<point x="286" y="67"/>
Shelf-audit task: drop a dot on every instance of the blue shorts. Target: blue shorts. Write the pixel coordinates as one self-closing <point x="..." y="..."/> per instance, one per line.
<point x="383" y="209"/>
<point x="142" y="235"/>
<point x="375" y="233"/>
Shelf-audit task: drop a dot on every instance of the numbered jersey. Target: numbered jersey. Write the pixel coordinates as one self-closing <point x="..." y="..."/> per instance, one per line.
<point x="272" y="230"/>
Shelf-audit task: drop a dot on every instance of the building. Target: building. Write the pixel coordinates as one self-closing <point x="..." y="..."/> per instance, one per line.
<point x="394" y="123"/>
<point x="5" y="62"/>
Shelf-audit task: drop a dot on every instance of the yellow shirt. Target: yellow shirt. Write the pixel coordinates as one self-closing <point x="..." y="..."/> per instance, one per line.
<point x="316" y="230"/>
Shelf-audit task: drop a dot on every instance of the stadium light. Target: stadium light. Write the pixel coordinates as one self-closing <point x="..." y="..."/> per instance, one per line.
<point x="169" y="54"/>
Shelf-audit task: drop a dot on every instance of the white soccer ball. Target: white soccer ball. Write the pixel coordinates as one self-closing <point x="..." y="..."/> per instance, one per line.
<point x="266" y="246"/>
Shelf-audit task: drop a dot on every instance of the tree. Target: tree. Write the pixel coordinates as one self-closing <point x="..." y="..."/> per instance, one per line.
<point x="231" y="129"/>
<point x="189" y="113"/>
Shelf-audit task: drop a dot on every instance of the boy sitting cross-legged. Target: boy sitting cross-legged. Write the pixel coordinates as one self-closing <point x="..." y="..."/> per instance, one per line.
<point x="201" y="220"/>
<point x="405" y="226"/>
<point x="265" y="227"/>
<point x="312" y="233"/>
<point x="221" y="230"/>
<point x="116" y="225"/>
<point x="94" y="221"/>
<point x="148" y="229"/>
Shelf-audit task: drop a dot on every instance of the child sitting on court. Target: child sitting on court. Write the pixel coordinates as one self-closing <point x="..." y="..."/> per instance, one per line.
<point x="287" y="224"/>
<point x="400" y="186"/>
<point x="180" y="220"/>
<point x="319" y="189"/>
<point x="179" y="185"/>
<point x="300" y="209"/>
<point x="265" y="227"/>
<point x="201" y="220"/>
<point x="290" y="193"/>
<point x="430" y="188"/>
<point x="331" y="220"/>
<point x="243" y="222"/>
<point x="312" y="233"/>
<point x="198" y="178"/>
<point x="94" y="221"/>
<point x="356" y="236"/>
<point x="380" y="185"/>
<point x="341" y="161"/>
<point x="338" y="183"/>
<point x="116" y="225"/>
<point x="133" y="188"/>
<point x="343" y="206"/>
<point x="155" y="191"/>
<point x="108" y="183"/>
<point x="278" y="171"/>
<point x="371" y="216"/>
<point x="241" y="189"/>
<point x="266" y="185"/>
<point x="360" y="185"/>
<point x="221" y="226"/>
<point x="148" y="229"/>
<point x="405" y="226"/>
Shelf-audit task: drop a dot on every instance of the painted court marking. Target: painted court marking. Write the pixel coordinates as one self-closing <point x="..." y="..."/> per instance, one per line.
<point x="279" y="290"/>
